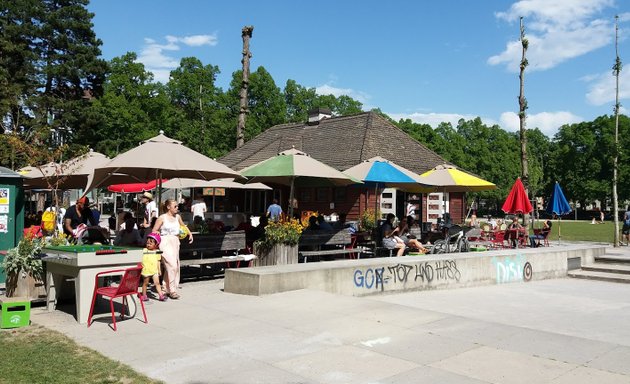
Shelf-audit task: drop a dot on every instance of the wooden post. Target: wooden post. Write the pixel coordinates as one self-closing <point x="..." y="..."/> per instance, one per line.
<point x="240" y="129"/>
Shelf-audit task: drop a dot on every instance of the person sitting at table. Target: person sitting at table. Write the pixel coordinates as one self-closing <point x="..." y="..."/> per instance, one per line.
<point x="77" y="214"/>
<point x="512" y="232"/>
<point x="402" y="232"/>
<point x="393" y="242"/>
<point x="323" y="224"/>
<point x="313" y="224"/>
<point x="492" y="222"/>
<point x="534" y="240"/>
<point x="129" y="233"/>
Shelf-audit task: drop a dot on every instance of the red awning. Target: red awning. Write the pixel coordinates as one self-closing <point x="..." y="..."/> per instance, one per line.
<point x="134" y="187"/>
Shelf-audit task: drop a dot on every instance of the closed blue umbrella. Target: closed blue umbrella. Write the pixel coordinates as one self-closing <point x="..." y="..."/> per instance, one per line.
<point x="559" y="205"/>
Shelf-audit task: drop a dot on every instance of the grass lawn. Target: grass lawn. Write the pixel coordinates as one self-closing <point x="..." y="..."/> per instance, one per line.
<point x="36" y="354"/>
<point x="582" y="231"/>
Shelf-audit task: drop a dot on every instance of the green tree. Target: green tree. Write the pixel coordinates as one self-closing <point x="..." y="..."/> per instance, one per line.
<point x="18" y="72"/>
<point x="71" y="69"/>
<point x="267" y="106"/>
<point x="132" y="108"/>
<point x="299" y="101"/>
<point x="197" y="102"/>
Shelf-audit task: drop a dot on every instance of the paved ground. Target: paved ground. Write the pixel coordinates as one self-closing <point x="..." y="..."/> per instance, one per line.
<point x="552" y="331"/>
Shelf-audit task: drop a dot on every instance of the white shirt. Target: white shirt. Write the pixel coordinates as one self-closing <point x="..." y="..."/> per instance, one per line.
<point x="150" y="207"/>
<point x="198" y="209"/>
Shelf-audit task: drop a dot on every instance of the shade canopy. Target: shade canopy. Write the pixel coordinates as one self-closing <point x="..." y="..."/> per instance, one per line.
<point x="291" y="166"/>
<point x="163" y="157"/>
<point x="449" y="178"/>
<point x="558" y="204"/>
<point x="517" y="200"/>
<point x="217" y="183"/>
<point x="381" y="172"/>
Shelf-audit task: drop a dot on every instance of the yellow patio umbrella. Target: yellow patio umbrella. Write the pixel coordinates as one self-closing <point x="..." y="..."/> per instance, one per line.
<point x="448" y="178"/>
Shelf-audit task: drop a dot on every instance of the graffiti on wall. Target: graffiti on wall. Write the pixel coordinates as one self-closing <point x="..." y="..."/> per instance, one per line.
<point x="510" y="269"/>
<point x="401" y="274"/>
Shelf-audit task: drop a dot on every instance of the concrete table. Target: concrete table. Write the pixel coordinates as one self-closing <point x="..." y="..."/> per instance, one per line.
<point x="82" y="263"/>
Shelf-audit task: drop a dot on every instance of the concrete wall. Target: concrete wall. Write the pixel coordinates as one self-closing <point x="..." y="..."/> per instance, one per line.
<point x="382" y="275"/>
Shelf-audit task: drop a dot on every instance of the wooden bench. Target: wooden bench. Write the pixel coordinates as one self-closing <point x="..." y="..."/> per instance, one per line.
<point x="326" y="239"/>
<point x="207" y="249"/>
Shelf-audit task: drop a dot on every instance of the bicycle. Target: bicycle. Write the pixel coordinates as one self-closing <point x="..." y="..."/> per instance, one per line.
<point x="454" y="241"/>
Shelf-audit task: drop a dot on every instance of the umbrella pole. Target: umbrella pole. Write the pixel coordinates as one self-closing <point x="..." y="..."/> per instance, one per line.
<point x="376" y="205"/>
<point x="291" y="192"/>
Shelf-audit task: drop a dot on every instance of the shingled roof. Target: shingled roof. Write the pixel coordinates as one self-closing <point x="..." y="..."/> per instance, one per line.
<point x="340" y="142"/>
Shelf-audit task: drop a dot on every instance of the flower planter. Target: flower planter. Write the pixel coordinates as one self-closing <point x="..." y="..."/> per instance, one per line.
<point x="24" y="285"/>
<point x="279" y="254"/>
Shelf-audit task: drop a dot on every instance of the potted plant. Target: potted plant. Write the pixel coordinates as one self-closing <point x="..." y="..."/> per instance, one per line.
<point x="367" y="221"/>
<point x="280" y="243"/>
<point x="24" y="269"/>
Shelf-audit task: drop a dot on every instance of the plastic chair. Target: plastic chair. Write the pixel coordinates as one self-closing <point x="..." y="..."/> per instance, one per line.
<point x="128" y="286"/>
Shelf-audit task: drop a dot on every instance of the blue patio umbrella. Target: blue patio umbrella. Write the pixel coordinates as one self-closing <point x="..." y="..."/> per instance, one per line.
<point x="379" y="172"/>
<point x="559" y="205"/>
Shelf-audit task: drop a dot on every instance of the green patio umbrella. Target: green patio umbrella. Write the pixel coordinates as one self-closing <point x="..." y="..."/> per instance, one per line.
<point x="292" y="165"/>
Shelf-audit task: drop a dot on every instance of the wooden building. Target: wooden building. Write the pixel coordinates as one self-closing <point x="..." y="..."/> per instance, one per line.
<point x="342" y="142"/>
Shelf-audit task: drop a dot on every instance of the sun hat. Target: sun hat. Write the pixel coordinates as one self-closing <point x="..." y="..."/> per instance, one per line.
<point x="148" y="195"/>
<point x="155" y="236"/>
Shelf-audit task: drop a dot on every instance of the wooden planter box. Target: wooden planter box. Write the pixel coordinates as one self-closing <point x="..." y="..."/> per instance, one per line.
<point x="280" y="254"/>
<point x="25" y="285"/>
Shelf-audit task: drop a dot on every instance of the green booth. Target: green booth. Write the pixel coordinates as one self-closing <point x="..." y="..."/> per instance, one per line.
<point x="11" y="212"/>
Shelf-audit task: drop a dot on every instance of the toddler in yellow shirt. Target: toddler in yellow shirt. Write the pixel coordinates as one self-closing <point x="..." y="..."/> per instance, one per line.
<point x="151" y="266"/>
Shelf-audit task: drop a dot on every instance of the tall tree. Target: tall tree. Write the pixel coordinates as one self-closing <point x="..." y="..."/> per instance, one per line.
<point x="299" y="101"/>
<point x="522" y="103"/>
<point x="266" y="103"/>
<point x="132" y="108"/>
<point x="616" y="72"/>
<point x="19" y="24"/>
<point x="193" y="93"/>
<point x="71" y="69"/>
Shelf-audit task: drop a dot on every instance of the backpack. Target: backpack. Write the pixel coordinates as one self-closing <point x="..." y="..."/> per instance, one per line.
<point x="49" y="220"/>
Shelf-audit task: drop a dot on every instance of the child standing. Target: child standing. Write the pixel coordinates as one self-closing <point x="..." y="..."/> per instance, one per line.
<point x="151" y="265"/>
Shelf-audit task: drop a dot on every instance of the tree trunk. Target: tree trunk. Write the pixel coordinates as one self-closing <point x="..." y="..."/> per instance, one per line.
<point x="522" y="102"/>
<point x="240" y="129"/>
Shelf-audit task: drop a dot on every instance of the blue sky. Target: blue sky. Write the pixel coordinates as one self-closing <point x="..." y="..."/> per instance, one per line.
<point x="430" y="61"/>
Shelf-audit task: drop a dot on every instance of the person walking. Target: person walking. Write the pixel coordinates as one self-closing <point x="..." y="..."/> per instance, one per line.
<point x="150" y="209"/>
<point x="274" y="211"/>
<point x="168" y="226"/>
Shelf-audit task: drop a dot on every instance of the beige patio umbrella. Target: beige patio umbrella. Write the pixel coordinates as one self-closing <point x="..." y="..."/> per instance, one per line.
<point x="71" y="174"/>
<point x="160" y="157"/>
<point x="179" y="183"/>
<point x="293" y="167"/>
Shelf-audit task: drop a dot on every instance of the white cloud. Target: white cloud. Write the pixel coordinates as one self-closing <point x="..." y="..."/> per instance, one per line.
<point x="328" y="89"/>
<point x="155" y="56"/>
<point x="557" y="31"/>
<point x="435" y="119"/>
<point x="547" y="122"/>
<point x="602" y="87"/>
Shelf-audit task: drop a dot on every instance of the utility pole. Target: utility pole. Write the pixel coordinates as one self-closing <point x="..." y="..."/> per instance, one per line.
<point x="240" y="129"/>
<point x="616" y="71"/>
<point x="522" y="103"/>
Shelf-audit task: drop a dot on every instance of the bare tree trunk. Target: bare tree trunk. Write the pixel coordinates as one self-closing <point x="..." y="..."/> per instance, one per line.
<point x="522" y="103"/>
<point x="240" y="129"/>
<point x="616" y="71"/>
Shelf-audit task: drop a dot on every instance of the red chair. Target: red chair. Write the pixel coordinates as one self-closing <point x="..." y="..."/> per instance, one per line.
<point x="128" y="286"/>
<point x="499" y="240"/>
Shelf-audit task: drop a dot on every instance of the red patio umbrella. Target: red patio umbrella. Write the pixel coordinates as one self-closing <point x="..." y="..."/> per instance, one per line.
<point x="517" y="200"/>
<point x="134" y="187"/>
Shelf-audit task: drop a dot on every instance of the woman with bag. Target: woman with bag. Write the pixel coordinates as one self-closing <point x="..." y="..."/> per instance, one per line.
<point x="168" y="226"/>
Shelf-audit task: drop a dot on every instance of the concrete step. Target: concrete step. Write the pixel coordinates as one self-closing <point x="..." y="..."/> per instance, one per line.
<point x="608" y="267"/>
<point x="603" y="276"/>
<point x="615" y="259"/>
